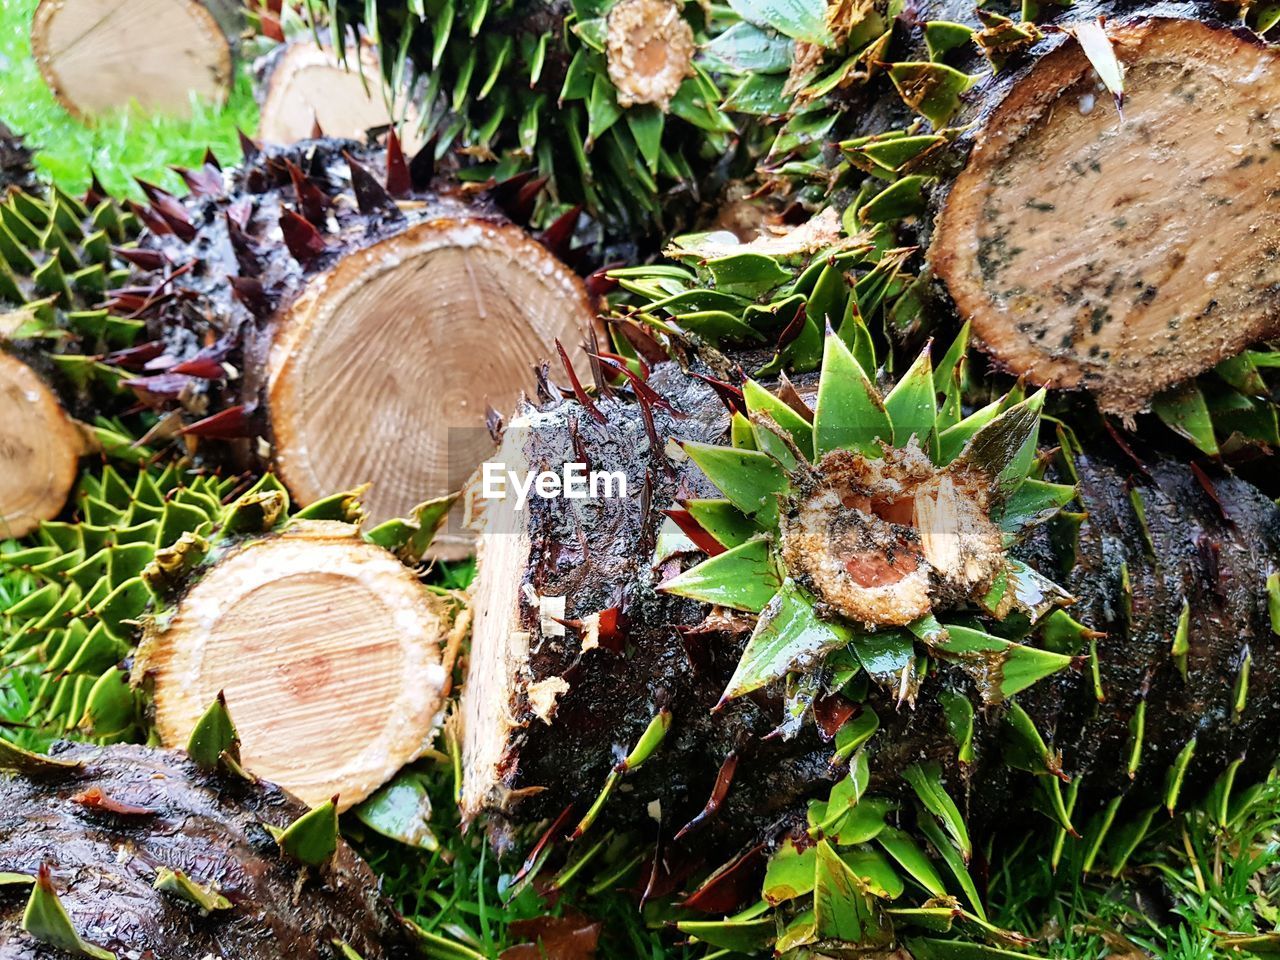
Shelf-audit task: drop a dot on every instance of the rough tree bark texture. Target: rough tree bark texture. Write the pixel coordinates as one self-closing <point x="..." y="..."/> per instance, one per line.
<point x="106" y="823"/>
<point x="547" y="714"/>
<point x="101" y="55"/>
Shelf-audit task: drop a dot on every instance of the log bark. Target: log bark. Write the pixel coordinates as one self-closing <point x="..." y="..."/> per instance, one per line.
<point x="360" y="325"/>
<point x="105" y="821"/>
<point x="101" y="55"/>
<point x="304" y="87"/>
<point x="549" y="710"/>
<point x="16" y="166"/>
<point x="1119" y="250"/>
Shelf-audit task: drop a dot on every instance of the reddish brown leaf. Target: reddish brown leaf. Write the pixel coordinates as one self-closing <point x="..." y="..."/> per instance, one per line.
<point x="135" y="358"/>
<point x="248" y="149"/>
<point x="690" y="527"/>
<point x="730" y="885"/>
<point x="719" y="790"/>
<point x="311" y="200"/>
<point x="399" y="182"/>
<point x="149" y="219"/>
<point x="558" y="237"/>
<point x="578" y="391"/>
<point x="557" y="826"/>
<point x="229" y="424"/>
<point x="205" y="182"/>
<point x="729" y="395"/>
<point x="304" y="241"/>
<point x="831" y="713"/>
<point x="599" y="283"/>
<point x="612" y="629"/>
<point x="141" y="258"/>
<point x="250" y="292"/>
<point x="203" y="367"/>
<point x="789" y="395"/>
<point x="95" y="799"/>
<point x="517" y="196"/>
<point x="571" y="937"/>
<point x="371" y="197"/>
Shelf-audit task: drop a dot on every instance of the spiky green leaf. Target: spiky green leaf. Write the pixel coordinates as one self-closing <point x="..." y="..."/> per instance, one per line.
<point x="312" y="838"/>
<point x="1000" y="667"/>
<point x="45" y="919"/>
<point x="743" y="578"/>
<point x="750" y="480"/>
<point x="850" y="415"/>
<point x="177" y="883"/>
<point x="788" y="636"/>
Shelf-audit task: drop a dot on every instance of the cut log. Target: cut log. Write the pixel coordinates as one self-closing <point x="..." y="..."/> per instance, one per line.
<point x="1120" y="251"/>
<point x="101" y="55"/>
<point x="375" y="319"/>
<point x="383" y="370"/>
<point x="303" y="86"/>
<point x="550" y="706"/>
<point x="151" y="856"/>
<point x="297" y="630"/>
<point x="40" y="448"/>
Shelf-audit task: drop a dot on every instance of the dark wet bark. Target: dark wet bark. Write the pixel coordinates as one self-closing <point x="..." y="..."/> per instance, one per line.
<point x="16" y="167"/>
<point x="1210" y="553"/>
<point x="207" y="825"/>
<point x="1218" y="566"/>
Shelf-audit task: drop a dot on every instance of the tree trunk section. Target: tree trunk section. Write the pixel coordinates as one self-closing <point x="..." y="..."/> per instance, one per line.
<point x="40" y="449"/>
<point x="367" y="324"/>
<point x="549" y="709"/>
<point x="295" y="630"/>
<point x="1120" y="250"/>
<point x="304" y="87"/>
<point x="101" y="55"/>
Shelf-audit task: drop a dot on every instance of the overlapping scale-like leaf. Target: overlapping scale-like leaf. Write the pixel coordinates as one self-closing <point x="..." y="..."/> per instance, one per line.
<point x="751" y="480"/>
<point x="743" y="578"/>
<point x="788" y="636"/>
<point x="850" y="413"/>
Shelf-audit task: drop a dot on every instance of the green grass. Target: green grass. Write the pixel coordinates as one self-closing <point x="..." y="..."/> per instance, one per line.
<point x="1202" y="886"/>
<point x="118" y="147"/>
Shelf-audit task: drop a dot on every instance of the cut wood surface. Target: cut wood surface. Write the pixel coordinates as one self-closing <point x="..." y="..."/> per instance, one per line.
<point x="299" y="630"/>
<point x="1123" y="251"/>
<point x="99" y="55"/>
<point x="383" y="369"/>
<point x="305" y="86"/>
<point x="40" y="447"/>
